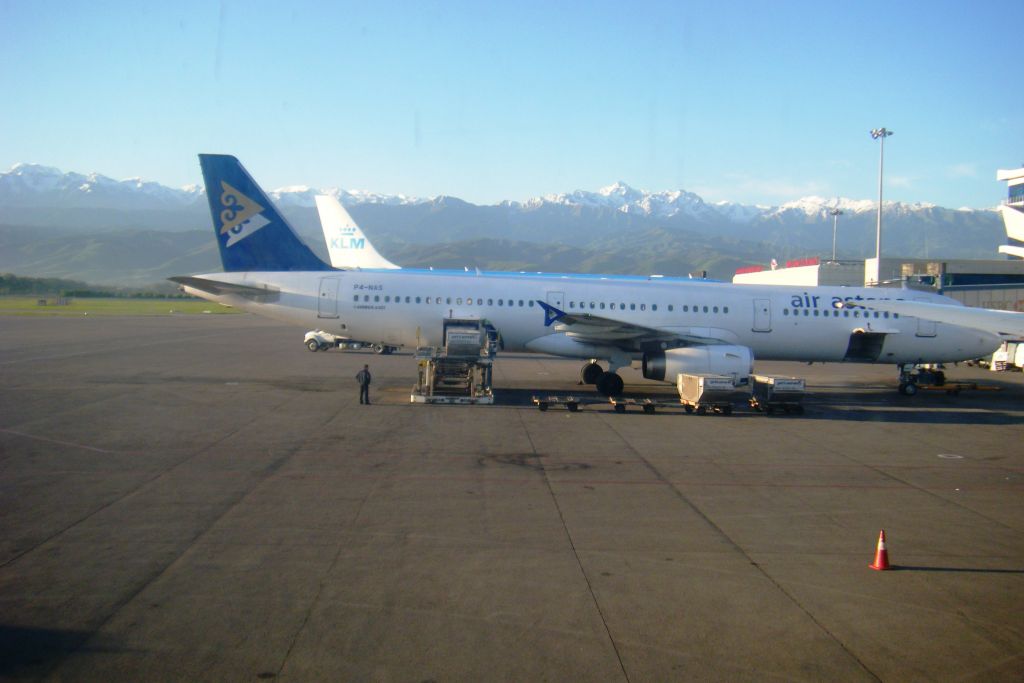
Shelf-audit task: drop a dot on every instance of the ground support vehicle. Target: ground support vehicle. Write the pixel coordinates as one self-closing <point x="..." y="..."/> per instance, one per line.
<point x="319" y="340"/>
<point x="459" y="371"/>
<point x="954" y="388"/>
<point x="1009" y="356"/>
<point x="770" y="394"/>
<point x="709" y="393"/>
<point x="571" y="403"/>
<point x="648" y="405"/>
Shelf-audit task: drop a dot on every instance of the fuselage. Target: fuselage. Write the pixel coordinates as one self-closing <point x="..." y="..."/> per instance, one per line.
<point x="776" y="322"/>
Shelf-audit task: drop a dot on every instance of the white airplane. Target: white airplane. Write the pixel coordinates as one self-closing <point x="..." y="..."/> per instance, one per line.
<point x="670" y="326"/>
<point x="350" y="248"/>
<point x="347" y="245"/>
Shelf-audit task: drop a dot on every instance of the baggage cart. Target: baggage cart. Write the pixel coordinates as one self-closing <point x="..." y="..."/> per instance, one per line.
<point x="707" y="393"/>
<point x="770" y="394"/>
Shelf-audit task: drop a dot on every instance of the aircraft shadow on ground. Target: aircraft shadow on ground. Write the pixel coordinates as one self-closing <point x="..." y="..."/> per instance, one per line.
<point x="820" y="406"/>
<point x="26" y="650"/>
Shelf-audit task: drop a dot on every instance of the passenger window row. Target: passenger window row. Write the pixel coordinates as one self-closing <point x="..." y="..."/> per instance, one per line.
<point x="600" y="306"/>
<point x="835" y="314"/>
<point x="521" y="303"/>
<point x="437" y="300"/>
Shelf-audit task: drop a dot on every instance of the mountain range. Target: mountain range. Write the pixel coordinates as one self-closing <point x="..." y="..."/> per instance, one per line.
<point x="94" y="228"/>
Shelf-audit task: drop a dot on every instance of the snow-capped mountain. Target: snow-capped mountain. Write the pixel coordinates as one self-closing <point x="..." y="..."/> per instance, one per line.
<point x="31" y="184"/>
<point x="32" y="195"/>
<point x="35" y="185"/>
<point x="679" y="204"/>
<point x="622" y="197"/>
<point x="304" y="196"/>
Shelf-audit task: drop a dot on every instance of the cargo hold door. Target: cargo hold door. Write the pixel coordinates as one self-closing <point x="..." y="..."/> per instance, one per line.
<point x="864" y="347"/>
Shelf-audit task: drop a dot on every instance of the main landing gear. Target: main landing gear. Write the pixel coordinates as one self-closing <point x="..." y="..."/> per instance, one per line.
<point x="590" y="373"/>
<point x="607" y="383"/>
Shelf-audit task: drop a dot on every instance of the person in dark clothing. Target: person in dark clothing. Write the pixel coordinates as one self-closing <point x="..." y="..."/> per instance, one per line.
<point x="363" y="377"/>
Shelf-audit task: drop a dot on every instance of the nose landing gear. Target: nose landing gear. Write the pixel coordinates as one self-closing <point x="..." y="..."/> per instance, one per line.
<point x="911" y="375"/>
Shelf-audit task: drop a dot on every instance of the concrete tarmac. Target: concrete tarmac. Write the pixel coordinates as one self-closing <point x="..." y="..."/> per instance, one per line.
<point x="201" y="498"/>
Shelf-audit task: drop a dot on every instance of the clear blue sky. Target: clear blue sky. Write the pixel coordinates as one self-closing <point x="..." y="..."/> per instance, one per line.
<point x="755" y="102"/>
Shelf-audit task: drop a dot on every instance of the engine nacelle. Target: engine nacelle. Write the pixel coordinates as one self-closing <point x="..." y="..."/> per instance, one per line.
<point x="723" y="359"/>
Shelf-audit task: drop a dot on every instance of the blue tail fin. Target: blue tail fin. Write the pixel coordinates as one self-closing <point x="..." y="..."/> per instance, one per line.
<point x="251" y="234"/>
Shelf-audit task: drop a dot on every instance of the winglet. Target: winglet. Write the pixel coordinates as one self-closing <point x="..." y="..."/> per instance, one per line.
<point x="551" y="314"/>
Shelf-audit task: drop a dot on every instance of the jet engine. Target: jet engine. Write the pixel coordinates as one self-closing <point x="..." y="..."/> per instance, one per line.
<point x="719" y="359"/>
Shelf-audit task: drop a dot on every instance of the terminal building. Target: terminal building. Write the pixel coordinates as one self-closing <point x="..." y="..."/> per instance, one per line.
<point x="1013" y="213"/>
<point x="996" y="283"/>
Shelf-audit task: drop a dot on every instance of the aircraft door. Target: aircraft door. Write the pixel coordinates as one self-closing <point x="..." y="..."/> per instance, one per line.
<point x="762" y="315"/>
<point x="556" y="299"/>
<point x="864" y="347"/>
<point x="327" y="303"/>
<point x="925" y="328"/>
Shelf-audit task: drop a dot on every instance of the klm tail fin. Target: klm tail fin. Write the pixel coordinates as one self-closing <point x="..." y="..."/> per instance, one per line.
<point x="251" y="234"/>
<point x="346" y="243"/>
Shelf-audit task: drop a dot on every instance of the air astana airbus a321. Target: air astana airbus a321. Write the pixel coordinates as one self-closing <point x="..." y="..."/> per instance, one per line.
<point x="670" y="325"/>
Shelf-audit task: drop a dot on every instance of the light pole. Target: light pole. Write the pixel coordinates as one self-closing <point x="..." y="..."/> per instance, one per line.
<point x="835" y="213"/>
<point x="880" y="134"/>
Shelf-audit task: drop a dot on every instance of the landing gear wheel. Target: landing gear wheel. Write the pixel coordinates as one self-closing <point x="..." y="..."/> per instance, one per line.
<point x="378" y="348"/>
<point x="313" y="345"/>
<point x="610" y="384"/>
<point x="908" y="389"/>
<point x="590" y="373"/>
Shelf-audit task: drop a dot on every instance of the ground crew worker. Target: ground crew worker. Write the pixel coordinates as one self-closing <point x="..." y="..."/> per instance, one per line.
<point x="363" y="377"/>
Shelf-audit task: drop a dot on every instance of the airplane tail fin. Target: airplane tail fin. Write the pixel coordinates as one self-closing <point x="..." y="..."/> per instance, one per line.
<point x="348" y="246"/>
<point x="251" y="234"/>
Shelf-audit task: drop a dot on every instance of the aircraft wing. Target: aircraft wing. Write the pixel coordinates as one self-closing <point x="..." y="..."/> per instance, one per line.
<point x="597" y="329"/>
<point x="219" y="288"/>
<point x="1005" y="324"/>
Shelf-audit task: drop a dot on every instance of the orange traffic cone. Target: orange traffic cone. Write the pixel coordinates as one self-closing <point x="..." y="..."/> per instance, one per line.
<point x="881" y="554"/>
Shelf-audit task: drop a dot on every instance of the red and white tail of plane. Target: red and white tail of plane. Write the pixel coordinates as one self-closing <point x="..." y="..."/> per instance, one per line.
<point x="347" y="245"/>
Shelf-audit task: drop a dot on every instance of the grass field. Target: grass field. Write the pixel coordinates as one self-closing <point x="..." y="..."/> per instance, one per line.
<point x="29" y="305"/>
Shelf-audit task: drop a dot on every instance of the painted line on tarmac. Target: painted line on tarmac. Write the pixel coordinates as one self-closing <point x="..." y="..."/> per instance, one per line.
<point x="61" y="443"/>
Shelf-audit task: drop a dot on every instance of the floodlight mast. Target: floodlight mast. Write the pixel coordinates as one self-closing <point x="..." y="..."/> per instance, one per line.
<point x="835" y="213"/>
<point x="880" y="134"/>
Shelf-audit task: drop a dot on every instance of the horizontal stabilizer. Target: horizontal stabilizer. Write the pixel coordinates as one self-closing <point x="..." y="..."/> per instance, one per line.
<point x="219" y="288"/>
